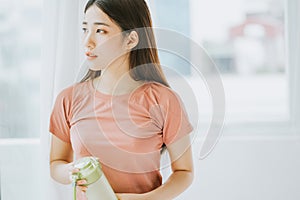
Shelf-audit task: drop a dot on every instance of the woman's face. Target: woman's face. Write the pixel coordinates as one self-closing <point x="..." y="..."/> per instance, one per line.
<point x="102" y="39"/>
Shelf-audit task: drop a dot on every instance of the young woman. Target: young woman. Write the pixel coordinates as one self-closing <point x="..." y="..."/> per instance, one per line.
<point x="123" y="111"/>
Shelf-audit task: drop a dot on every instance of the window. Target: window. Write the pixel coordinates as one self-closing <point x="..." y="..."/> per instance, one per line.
<point x="20" y="50"/>
<point x="245" y="39"/>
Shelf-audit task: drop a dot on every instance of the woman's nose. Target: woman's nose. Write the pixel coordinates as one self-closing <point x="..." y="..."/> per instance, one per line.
<point x="89" y="42"/>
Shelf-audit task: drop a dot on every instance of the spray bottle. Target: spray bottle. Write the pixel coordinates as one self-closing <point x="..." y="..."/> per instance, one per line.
<point x="98" y="186"/>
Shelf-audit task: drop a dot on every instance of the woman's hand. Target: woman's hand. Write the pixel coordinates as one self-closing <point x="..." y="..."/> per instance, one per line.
<point x="80" y="183"/>
<point x="129" y="196"/>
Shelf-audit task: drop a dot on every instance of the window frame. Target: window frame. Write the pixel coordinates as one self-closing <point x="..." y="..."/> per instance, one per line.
<point x="292" y="27"/>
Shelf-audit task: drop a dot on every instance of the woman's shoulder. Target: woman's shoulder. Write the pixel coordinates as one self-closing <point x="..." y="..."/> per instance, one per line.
<point x="154" y="91"/>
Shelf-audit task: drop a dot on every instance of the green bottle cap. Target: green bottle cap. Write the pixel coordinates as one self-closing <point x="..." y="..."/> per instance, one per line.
<point x="89" y="169"/>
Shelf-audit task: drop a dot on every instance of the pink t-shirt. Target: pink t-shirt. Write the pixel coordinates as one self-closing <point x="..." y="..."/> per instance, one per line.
<point x="126" y="132"/>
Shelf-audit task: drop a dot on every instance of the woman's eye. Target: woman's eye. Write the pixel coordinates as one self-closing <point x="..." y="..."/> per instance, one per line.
<point x="100" y="31"/>
<point x="84" y="30"/>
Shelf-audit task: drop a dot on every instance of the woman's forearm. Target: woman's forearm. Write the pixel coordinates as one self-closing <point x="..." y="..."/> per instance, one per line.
<point x="178" y="182"/>
<point x="60" y="171"/>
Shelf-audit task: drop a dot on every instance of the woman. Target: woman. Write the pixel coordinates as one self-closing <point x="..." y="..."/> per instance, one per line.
<point x="123" y="111"/>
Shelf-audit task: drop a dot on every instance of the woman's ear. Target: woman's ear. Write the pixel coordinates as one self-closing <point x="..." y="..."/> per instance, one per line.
<point x="132" y="40"/>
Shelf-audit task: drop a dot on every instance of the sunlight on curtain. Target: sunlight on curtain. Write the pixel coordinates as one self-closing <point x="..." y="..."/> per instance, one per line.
<point x="61" y="62"/>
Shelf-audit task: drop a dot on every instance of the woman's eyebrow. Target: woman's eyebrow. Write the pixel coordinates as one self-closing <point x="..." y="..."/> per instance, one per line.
<point x="96" y="23"/>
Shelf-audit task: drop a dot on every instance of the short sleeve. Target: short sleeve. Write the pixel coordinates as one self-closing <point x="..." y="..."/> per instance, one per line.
<point x="60" y="117"/>
<point x="176" y="123"/>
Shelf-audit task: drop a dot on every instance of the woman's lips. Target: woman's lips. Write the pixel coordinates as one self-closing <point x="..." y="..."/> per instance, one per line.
<point x="90" y="56"/>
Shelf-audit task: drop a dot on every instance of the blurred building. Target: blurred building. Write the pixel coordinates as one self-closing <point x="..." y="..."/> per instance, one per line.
<point x="256" y="44"/>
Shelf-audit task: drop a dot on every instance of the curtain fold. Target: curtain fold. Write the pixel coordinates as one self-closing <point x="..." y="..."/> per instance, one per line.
<point x="60" y="66"/>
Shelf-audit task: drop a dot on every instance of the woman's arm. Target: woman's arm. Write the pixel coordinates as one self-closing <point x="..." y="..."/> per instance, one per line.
<point x="181" y="178"/>
<point x="61" y="157"/>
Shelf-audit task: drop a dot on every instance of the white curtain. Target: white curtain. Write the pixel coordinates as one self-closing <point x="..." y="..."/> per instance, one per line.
<point x="61" y="56"/>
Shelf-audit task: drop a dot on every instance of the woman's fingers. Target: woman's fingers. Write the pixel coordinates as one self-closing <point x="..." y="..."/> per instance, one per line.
<point x="72" y="171"/>
<point x="81" y="182"/>
<point x="82" y="188"/>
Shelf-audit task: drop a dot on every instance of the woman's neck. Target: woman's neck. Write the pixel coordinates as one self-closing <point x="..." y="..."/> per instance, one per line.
<point x="115" y="79"/>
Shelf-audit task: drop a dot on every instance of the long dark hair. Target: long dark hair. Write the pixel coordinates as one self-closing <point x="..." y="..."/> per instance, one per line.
<point x="133" y="15"/>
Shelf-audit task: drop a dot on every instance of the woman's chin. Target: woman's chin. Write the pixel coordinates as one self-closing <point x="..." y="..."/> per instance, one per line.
<point x="96" y="68"/>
